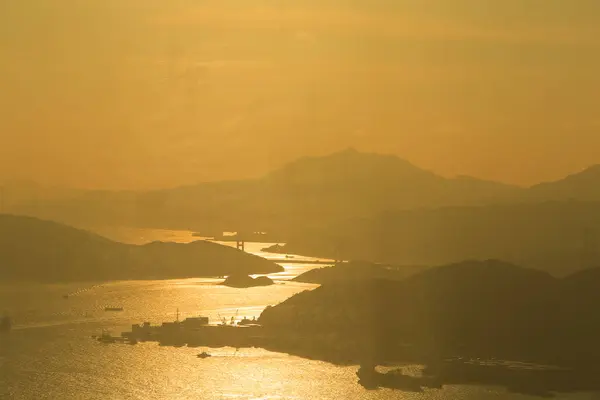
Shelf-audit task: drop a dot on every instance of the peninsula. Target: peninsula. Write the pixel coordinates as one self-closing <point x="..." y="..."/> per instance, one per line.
<point x="37" y="250"/>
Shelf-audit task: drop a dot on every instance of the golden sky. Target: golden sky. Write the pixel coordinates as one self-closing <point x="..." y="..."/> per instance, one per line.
<point x="154" y="93"/>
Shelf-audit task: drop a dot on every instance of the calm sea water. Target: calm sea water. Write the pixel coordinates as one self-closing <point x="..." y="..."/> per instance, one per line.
<point x="50" y="353"/>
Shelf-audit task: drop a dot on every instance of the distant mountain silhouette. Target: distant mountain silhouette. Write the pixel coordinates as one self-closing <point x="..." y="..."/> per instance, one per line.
<point x="354" y="183"/>
<point x="349" y="167"/>
<point x="584" y="185"/>
<point x="336" y="195"/>
<point x="560" y="237"/>
<point x="308" y="192"/>
<point x="37" y="250"/>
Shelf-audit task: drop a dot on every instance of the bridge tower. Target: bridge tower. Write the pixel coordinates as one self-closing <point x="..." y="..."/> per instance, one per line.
<point x="240" y="243"/>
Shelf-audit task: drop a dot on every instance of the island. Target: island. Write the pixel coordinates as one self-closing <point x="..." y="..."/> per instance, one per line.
<point x="37" y="250"/>
<point x="245" y="281"/>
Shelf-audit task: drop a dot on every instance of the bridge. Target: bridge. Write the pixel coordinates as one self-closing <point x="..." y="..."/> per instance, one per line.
<point x="301" y="261"/>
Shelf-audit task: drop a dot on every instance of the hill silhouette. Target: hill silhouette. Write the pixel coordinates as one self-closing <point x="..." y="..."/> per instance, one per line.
<point x="356" y="205"/>
<point x="473" y="309"/>
<point x="558" y="237"/>
<point x="36" y="250"/>
<point x="584" y="185"/>
<point x="357" y="270"/>
<point x="308" y="192"/>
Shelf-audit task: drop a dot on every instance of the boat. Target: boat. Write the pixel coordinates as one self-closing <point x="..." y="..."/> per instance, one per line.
<point x="113" y="308"/>
<point x="204" y="355"/>
<point x="5" y="324"/>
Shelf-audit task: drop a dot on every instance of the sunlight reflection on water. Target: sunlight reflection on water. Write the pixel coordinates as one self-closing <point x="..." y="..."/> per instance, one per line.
<point x="50" y="354"/>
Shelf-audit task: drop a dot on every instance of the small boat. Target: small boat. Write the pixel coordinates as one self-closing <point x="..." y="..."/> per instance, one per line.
<point x="203" y="355"/>
<point x="65" y="296"/>
<point x="113" y="308"/>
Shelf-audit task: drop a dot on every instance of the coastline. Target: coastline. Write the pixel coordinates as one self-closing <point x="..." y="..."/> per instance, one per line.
<point x="517" y="376"/>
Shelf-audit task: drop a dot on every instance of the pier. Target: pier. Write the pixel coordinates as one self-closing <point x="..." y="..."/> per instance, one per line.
<point x="193" y="332"/>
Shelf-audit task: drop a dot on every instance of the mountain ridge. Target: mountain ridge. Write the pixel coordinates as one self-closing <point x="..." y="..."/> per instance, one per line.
<point x="310" y="191"/>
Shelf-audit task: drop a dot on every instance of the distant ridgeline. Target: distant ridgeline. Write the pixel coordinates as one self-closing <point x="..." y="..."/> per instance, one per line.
<point x="558" y="237"/>
<point x="353" y="205"/>
<point x="307" y="193"/>
<point x="35" y="250"/>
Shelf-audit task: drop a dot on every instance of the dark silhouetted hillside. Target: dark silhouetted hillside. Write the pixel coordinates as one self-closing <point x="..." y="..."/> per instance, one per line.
<point x="37" y="250"/>
<point x="474" y="309"/>
<point x="357" y="270"/>
<point x="559" y="237"/>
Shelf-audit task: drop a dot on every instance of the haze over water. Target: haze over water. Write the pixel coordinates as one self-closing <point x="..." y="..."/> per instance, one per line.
<point x="448" y="151"/>
<point x="51" y="355"/>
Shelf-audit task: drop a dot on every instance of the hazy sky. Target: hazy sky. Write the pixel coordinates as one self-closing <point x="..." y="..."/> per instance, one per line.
<point x="151" y="93"/>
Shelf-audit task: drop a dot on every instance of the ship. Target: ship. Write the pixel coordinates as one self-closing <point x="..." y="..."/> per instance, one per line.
<point x="113" y="308"/>
<point x="5" y="324"/>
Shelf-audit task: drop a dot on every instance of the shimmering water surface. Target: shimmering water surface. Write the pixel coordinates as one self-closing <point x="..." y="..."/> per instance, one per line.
<point x="50" y="353"/>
